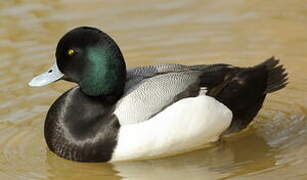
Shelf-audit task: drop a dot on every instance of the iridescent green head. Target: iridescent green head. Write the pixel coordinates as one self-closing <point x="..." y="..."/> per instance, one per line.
<point x="92" y="59"/>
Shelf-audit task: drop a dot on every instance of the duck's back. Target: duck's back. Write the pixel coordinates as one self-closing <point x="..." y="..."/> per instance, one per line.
<point x="151" y="89"/>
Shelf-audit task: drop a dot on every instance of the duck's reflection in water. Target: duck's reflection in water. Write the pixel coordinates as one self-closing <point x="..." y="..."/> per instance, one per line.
<point x="59" y="169"/>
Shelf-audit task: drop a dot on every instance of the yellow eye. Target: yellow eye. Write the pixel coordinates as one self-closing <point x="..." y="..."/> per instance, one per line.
<point x="71" y="52"/>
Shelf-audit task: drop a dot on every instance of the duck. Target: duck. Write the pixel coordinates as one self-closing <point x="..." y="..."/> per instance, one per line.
<point x="120" y="114"/>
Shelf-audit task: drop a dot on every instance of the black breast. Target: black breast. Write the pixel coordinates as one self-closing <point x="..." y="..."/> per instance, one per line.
<point x="81" y="128"/>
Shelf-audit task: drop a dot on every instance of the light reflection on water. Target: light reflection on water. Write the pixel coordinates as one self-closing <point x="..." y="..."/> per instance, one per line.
<point x="188" y="32"/>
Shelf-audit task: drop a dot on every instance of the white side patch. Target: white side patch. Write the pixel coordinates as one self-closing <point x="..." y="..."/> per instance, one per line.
<point x="185" y="125"/>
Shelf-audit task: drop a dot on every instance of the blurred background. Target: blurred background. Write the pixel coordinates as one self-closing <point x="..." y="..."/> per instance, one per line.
<point x="238" y="32"/>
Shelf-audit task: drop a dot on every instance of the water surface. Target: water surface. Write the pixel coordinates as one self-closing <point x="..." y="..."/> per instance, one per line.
<point x="189" y="32"/>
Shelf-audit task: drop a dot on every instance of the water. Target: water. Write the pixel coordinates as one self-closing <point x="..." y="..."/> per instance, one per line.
<point x="189" y="32"/>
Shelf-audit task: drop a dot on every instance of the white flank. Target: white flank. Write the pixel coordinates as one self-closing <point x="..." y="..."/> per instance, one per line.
<point x="185" y="125"/>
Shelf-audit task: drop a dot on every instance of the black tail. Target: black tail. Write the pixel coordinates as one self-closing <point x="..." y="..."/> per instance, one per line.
<point x="243" y="90"/>
<point x="277" y="76"/>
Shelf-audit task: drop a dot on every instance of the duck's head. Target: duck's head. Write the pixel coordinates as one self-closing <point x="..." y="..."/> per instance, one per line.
<point x="91" y="58"/>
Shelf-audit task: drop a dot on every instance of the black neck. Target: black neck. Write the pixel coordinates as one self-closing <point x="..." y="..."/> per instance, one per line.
<point x="77" y="124"/>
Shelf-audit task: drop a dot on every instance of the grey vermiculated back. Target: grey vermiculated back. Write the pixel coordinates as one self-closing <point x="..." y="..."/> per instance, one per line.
<point x="138" y="74"/>
<point x="150" y="89"/>
<point x="135" y="75"/>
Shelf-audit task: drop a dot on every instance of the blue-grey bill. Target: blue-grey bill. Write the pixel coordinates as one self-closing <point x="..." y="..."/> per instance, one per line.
<point x="53" y="74"/>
